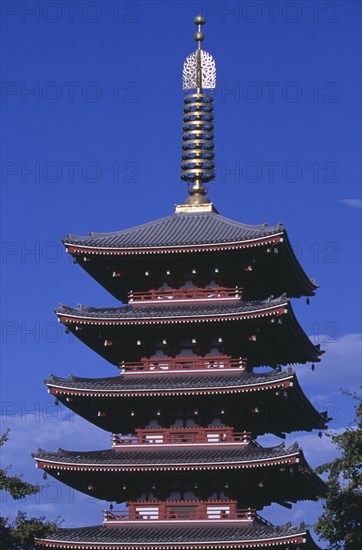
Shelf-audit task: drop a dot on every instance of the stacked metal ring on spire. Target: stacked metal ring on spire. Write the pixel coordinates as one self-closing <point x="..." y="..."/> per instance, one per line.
<point x="198" y="139"/>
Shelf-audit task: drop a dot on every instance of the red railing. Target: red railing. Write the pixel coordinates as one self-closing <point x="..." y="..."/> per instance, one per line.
<point x="182" y="294"/>
<point x="167" y="364"/>
<point x="180" y="511"/>
<point x="182" y="436"/>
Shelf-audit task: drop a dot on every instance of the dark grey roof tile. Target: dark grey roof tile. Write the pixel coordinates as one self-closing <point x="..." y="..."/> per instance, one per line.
<point x="169" y="457"/>
<point x="168" y="382"/>
<point x="178" y="230"/>
<point x="159" y="534"/>
<point x="137" y="312"/>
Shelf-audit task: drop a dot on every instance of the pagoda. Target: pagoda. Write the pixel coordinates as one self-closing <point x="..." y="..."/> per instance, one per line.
<point x="204" y="340"/>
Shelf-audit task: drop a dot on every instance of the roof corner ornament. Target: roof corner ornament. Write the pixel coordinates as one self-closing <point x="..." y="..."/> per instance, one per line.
<point x="198" y="157"/>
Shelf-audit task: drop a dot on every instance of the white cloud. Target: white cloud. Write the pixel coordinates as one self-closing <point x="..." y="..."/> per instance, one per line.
<point x="316" y="451"/>
<point x="352" y="203"/>
<point x="74" y="508"/>
<point x="340" y="365"/>
<point x="28" y="432"/>
<point x="340" y="368"/>
<point x="306" y="511"/>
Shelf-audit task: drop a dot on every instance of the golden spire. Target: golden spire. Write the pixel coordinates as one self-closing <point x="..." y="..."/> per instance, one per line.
<point x="198" y="166"/>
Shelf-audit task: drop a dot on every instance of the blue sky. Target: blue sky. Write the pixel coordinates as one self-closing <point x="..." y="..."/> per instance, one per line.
<point x="91" y="126"/>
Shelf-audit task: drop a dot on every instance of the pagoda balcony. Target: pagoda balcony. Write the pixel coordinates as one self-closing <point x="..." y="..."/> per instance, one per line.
<point x="185" y="295"/>
<point x="155" y="437"/>
<point x="178" y="511"/>
<point x="181" y="365"/>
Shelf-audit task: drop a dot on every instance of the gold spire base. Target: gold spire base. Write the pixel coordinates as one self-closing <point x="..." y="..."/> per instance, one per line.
<point x="192" y="208"/>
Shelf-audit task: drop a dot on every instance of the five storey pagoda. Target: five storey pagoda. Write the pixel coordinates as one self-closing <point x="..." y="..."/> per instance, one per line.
<point x="206" y="301"/>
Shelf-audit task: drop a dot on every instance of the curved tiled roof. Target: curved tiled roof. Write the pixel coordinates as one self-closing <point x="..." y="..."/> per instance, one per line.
<point x="170" y="311"/>
<point x="295" y="413"/>
<point x="298" y="347"/>
<point x="161" y="536"/>
<point x="167" y="382"/>
<point x="169" y="457"/>
<point x="178" y="230"/>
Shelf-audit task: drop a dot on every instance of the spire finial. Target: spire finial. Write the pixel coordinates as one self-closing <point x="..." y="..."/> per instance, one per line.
<point x="198" y="166"/>
<point x="199" y="36"/>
